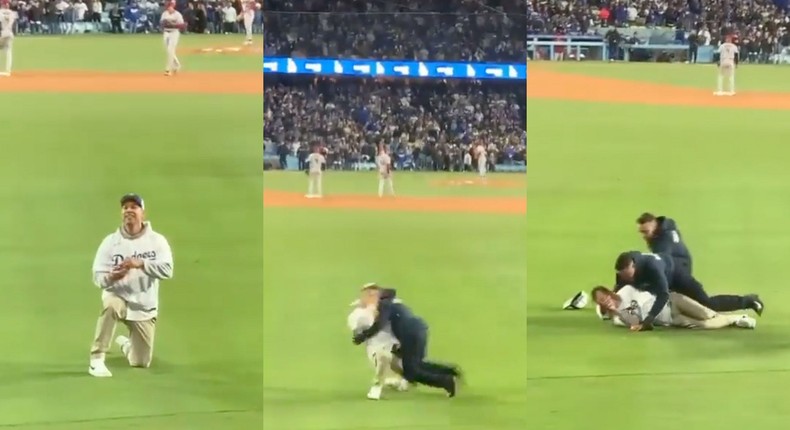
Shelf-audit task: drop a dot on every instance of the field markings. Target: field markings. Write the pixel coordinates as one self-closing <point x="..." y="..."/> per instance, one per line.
<point x="490" y="205"/>
<point x="129" y="417"/>
<point x="657" y="374"/>
<point x="552" y="85"/>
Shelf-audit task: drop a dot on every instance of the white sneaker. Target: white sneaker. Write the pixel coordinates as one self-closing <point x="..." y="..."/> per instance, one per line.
<point x="375" y="392"/>
<point x="746" y="321"/>
<point x="5" y="74"/>
<point x="718" y="93"/>
<point x="98" y="369"/>
<point x="124" y="343"/>
<point x="399" y="384"/>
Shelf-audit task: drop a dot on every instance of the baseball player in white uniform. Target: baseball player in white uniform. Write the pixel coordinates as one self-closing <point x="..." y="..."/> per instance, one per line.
<point x="128" y="266"/>
<point x="315" y="163"/>
<point x="384" y="165"/>
<point x="629" y="305"/>
<point x="379" y="350"/>
<point x="482" y="160"/>
<point x="171" y="22"/>
<point x="248" y="16"/>
<point x="7" y="19"/>
<point x="727" y="52"/>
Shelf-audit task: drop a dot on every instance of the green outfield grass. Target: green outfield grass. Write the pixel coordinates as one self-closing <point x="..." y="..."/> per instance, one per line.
<point x="129" y="53"/>
<point x="750" y="77"/>
<point x="723" y="175"/>
<point x="66" y="161"/>
<point x="464" y="273"/>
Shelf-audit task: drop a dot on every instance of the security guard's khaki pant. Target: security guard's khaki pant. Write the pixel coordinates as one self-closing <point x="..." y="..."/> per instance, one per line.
<point x="689" y="313"/>
<point x="141" y="333"/>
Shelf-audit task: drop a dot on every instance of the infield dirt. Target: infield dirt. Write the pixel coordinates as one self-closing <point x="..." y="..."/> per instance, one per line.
<point x="120" y="83"/>
<point x="548" y="84"/>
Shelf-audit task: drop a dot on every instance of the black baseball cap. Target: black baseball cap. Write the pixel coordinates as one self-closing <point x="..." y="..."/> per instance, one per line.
<point x="132" y="197"/>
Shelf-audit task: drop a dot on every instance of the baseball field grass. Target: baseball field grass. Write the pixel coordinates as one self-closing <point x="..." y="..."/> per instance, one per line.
<point x="654" y="138"/>
<point x="447" y="243"/>
<point x="86" y="119"/>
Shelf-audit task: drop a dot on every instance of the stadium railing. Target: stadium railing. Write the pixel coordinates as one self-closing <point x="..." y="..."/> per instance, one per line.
<point x="403" y="69"/>
<point x="557" y="48"/>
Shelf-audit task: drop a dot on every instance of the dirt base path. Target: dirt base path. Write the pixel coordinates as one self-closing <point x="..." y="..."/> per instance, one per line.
<point x="409" y="204"/>
<point x="545" y="84"/>
<point x="108" y="82"/>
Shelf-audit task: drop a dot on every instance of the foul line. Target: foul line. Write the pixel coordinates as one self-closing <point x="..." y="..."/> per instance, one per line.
<point x="656" y="374"/>
<point x="127" y="417"/>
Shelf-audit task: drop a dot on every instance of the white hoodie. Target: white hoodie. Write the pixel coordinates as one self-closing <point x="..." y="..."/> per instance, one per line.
<point x="140" y="287"/>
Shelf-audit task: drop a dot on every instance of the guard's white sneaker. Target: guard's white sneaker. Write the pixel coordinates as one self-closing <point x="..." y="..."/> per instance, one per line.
<point x="718" y="93"/>
<point x="375" y="392"/>
<point x="746" y="321"/>
<point x="98" y="369"/>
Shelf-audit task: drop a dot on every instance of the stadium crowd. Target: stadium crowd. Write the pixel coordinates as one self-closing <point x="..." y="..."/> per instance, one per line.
<point x="427" y="124"/>
<point x="125" y="16"/>
<point x="761" y="26"/>
<point x="461" y="30"/>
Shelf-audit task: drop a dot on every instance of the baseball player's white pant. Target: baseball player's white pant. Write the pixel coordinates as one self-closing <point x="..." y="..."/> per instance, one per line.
<point x="386" y="182"/>
<point x="7" y="44"/>
<point x="248" y="18"/>
<point x="171" y="43"/>
<point x="726" y="71"/>
<point x="314" y="185"/>
<point x="482" y="166"/>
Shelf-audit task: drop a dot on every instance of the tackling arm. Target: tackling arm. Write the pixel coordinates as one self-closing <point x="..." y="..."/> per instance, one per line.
<point x="382" y="317"/>
<point x="659" y="286"/>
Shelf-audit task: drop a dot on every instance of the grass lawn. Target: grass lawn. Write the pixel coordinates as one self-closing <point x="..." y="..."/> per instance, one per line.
<point x="722" y="174"/>
<point x="67" y="160"/>
<point x="464" y="273"/>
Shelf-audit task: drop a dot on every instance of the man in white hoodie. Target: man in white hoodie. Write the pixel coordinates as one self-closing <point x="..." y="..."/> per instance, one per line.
<point x="379" y="349"/>
<point x="128" y="266"/>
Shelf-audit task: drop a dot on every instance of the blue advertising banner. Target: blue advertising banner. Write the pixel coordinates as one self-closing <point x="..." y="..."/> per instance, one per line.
<point x="389" y="68"/>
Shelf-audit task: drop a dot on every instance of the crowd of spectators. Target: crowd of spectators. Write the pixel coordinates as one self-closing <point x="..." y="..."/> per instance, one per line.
<point x="124" y="16"/>
<point x="451" y="30"/>
<point x="760" y="25"/>
<point x="430" y="124"/>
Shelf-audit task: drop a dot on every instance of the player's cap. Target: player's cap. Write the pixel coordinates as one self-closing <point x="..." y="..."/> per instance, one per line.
<point x="578" y="301"/>
<point x="132" y="197"/>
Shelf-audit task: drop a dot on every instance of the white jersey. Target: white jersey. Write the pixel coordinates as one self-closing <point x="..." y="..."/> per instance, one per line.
<point x="140" y="287"/>
<point x="383" y="161"/>
<point x="315" y="161"/>
<point x="727" y="52"/>
<point x="361" y="318"/>
<point x="638" y="303"/>
<point x="7" y="19"/>
<point x="172" y="19"/>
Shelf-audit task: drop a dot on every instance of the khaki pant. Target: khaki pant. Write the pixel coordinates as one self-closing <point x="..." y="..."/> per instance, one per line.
<point x="141" y="333"/>
<point x="689" y="313"/>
